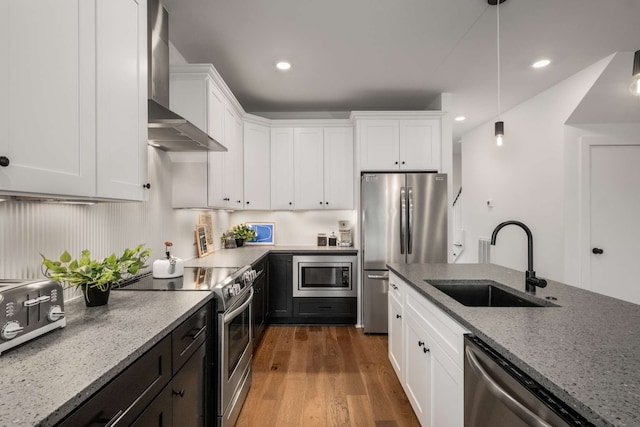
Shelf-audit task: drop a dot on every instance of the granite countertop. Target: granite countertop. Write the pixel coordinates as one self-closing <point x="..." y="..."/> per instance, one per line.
<point x="586" y="352"/>
<point x="245" y="255"/>
<point x="44" y="379"/>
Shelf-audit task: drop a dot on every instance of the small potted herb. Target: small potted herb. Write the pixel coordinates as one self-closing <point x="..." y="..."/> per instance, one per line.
<point x="242" y="233"/>
<point x="95" y="276"/>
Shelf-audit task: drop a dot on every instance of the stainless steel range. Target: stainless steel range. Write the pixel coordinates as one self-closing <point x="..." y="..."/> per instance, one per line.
<point x="231" y="369"/>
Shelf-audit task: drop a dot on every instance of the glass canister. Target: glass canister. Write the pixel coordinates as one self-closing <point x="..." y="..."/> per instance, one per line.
<point x="322" y="239"/>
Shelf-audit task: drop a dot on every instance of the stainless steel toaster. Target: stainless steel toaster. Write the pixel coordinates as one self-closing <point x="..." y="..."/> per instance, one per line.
<point x="28" y="310"/>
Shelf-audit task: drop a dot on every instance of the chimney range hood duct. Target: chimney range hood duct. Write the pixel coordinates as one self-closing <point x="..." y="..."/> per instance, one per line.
<point x="167" y="130"/>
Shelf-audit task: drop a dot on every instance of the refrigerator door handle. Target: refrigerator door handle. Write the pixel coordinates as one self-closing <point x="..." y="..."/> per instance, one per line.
<point x="410" y="227"/>
<point x="403" y="216"/>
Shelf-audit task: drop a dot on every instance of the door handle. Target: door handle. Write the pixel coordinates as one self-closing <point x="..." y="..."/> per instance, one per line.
<point x="410" y="226"/>
<point x="597" y="251"/>
<point x="377" y="277"/>
<point x="403" y="215"/>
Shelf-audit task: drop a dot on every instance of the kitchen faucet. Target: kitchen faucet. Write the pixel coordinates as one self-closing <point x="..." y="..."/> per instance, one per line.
<point x="531" y="281"/>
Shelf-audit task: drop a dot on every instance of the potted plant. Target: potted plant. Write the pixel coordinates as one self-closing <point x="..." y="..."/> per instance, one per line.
<point x="242" y="233"/>
<point x="95" y="276"/>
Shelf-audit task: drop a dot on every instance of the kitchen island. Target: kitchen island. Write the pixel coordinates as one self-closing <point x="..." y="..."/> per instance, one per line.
<point x="44" y="380"/>
<point x="586" y="351"/>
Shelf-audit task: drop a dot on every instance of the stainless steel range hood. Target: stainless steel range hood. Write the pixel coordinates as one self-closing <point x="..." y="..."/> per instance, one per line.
<point x="167" y="130"/>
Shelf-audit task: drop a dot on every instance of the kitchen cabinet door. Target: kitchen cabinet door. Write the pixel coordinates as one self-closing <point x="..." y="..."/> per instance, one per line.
<point x="418" y="366"/>
<point x="257" y="167"/>
<point x="47" y="120"/>
<point x="338" y="168"/>
<point x="308" y="154"/>
<point x="280" y="286"/>
<point x="188" y="388"/>
<point x="420" y="144"/>
<point x="379" y="144"/>
<point x="282" y="184"/>
<point x="225" y="168"/>
<point x="396" y="339"/>
<point x="234" y="166"/>
<point x="215" y="111"/>
<point x="121" y="91"/>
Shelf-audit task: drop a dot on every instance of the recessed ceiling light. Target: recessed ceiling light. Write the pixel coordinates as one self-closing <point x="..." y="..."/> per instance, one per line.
<point x="460" y="118"/>
<point x="541" y="64"/>
<point x="283" y="65"/>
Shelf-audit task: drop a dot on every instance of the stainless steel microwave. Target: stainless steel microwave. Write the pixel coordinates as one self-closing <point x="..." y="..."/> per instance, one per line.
<point x="324" y="276"/>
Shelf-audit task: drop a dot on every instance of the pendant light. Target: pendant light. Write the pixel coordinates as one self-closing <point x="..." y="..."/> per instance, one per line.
<point x="635" y="81"/>
<point x="499" y="125"/>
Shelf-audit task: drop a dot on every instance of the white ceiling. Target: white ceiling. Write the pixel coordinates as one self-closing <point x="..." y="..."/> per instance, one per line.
<point x="397" y="54"/>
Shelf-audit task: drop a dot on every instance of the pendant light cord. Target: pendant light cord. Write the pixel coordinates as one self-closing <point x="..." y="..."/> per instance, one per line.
<point x="498" y="45"/>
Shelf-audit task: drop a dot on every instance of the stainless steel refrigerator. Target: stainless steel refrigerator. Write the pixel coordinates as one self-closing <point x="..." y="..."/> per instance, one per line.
<point x="404" y="220"/>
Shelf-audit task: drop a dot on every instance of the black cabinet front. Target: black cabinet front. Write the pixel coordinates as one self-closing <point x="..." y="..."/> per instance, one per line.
<point x="280" y="286"/>
<point x="188" y="391"/>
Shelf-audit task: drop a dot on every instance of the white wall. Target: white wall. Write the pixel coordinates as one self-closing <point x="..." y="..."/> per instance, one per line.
<point x="297" y="228"/>
<point x="525" y="178"/>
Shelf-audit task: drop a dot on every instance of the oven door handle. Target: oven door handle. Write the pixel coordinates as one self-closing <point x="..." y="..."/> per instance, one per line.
<point x="231" y="315"/>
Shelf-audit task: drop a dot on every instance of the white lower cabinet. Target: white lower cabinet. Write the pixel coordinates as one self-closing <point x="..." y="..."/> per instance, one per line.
<point x="426" y="351"/>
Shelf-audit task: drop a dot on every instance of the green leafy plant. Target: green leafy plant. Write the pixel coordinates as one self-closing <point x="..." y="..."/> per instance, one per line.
<point x="92" y="273"/>
<point x="243" y="231"/>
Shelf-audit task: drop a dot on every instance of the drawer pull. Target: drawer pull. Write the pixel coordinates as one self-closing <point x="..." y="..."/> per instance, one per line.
<point x="398" y="316"/>
<point x="115" y="418"/>
<point x="178" y="393"/>
<point x="425" y="350"/>
<point x="200" y="332"/>
<point x="377" y="277"/>
<point x="420" y="343"/>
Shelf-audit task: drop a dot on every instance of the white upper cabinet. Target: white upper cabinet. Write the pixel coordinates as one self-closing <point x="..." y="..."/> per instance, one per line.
<point x="257" y="167"/>
<point x="281" y="161"/>
<point x="398" y="144"/>
<point x="225" y="178"/>
<point x="215" y="111"/>
<point x="121" y="89"/>
<point x="338" y="168"/>
<point x="77" y="126"/>
<point x="308" y="167"/>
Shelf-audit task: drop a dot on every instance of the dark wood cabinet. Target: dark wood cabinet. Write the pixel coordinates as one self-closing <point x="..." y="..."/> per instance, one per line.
<point x="167" y="386"/>
<point x="326" y="310"/>
<point x="127" y="395"/>
<point x="280" y="286"/>
<point x="260" y="307"/>
<point x="188" y="389"/>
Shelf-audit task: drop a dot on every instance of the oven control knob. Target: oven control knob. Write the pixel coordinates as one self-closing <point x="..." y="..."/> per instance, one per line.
<point x="237" y="288"/>
<point x="231" y="292"/>
<point x="11" y="330"/>
<point x="55" y="313"/>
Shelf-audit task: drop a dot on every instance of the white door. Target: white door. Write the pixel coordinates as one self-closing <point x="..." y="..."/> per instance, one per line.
<point x="308" y="168"/>
<point x="47" y="101"/>
<point x="338" y="168"/>
<point x="420" y="144"/>
<point x="610" y="212"/>
<point x="282" y="169"/>
<point x="257" y="171"/>
<point x="379" y="149"/>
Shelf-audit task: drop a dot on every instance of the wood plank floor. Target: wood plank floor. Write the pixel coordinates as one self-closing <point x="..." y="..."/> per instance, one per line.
<point x="324" y="376"/>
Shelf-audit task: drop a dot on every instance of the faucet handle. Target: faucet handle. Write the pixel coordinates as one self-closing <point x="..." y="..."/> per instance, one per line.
<point x="536" y="281"/>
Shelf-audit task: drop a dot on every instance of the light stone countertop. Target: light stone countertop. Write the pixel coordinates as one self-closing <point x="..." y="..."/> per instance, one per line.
<point x="43" y="380"/>
<point x="586" y="352"/>
<point x="248" y="254"/>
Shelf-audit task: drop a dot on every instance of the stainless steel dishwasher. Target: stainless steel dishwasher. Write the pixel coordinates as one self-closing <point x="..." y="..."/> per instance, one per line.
<point x="497" y="393"/>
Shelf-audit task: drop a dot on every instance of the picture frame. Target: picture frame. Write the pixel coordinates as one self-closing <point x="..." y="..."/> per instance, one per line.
<point x="205" y="219"/>
<point x="265" y="233"/>
<point x="201" y="241"/>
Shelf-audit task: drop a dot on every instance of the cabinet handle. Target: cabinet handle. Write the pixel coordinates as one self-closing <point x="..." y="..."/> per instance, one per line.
<point x="398" y="316"/>
<point x="115" y="418"/>
<point x="425" y="350"/>
<point x="239" y="201"/>
<point x="200" y="332"/>
<point x="326" y="203"/>
<point x="320" y="202"/>
<point x="247" y="202"/>
<point x="290" y="203"/>
<point x="396" y="163"/>
<point x="597" y="251"/>
<point x="4" y="161"/>
<point x="178" y="393"/>
<point x="394" y="286"/>
<point x="147" y="185"/>
<point x="403" y="162"/>
<point x="420" y="343"/>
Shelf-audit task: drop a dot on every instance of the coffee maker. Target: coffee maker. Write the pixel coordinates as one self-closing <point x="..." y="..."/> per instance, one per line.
<point x="344" y="233"/>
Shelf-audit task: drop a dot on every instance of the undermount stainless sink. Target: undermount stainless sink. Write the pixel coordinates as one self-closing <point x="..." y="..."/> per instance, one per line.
<point x="486" y="293"/>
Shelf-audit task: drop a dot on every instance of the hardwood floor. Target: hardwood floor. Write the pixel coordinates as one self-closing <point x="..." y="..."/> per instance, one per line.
<point x="324" y="376"/>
